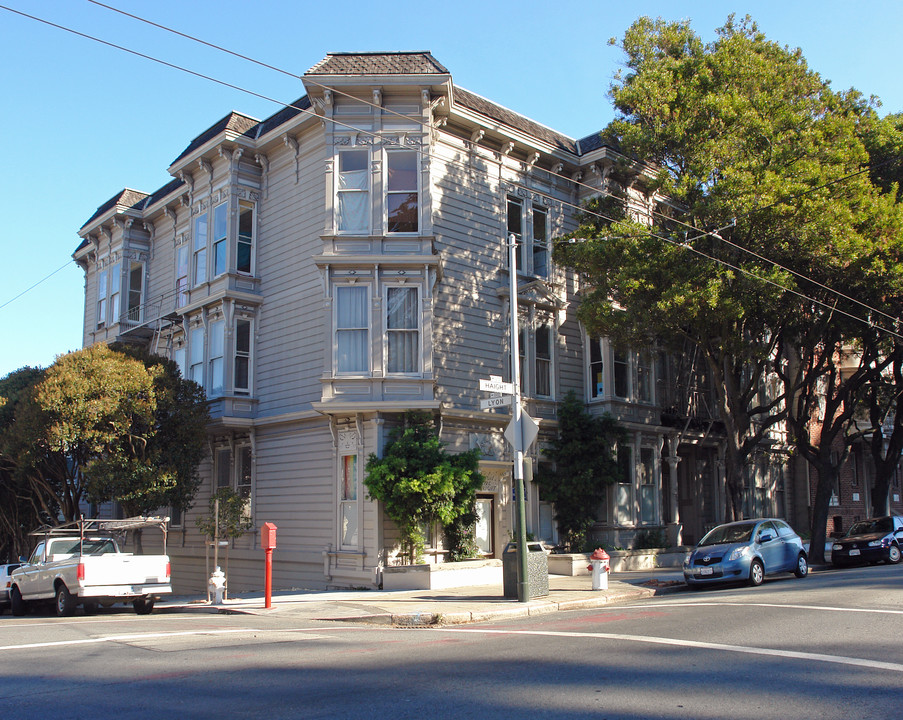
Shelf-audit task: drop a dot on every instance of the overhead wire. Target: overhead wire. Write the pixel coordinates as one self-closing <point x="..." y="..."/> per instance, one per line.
<point x="685" y="244"/>
<point x="702" y="233"/>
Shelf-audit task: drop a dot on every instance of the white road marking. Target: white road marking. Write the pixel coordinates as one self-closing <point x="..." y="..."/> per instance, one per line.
<point x="790" y="654"/>
<point x="727" y="603"/>
<point x="125" y="638"/>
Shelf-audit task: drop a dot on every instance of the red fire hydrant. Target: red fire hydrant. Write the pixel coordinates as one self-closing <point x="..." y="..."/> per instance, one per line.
<point x="600" y="565"/>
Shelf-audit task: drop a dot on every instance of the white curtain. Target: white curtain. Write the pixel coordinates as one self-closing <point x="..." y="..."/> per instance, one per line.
<point x="351" y="329"/>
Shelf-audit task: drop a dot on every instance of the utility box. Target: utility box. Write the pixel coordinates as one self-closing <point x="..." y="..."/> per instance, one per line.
<point x="537" y="571"/>
<point x="268" y="536"/>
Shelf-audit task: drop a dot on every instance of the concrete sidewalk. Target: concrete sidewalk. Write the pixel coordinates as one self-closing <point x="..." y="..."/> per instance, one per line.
<point x="423" y="608"/>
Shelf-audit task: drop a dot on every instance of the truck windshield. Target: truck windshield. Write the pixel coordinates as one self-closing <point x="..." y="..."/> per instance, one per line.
<point x="92" y="546"/>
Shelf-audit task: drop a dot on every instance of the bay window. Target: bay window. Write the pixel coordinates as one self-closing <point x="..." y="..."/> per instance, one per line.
<point x="245" y="237"/>
<point x="515" y="227"/>
<point x="200" y="249"/>
<point x="402" y="330"/>
<point x="136" y="291"/>
<point x="181" y="276"/>
<point x="401" y="191"/>
<point x="353" y="192"/>
<point x="220" y="234"/>
<point x="101" y="298"/>
<point x="540" y="242"/>
<point x="596" y="369"/>
<point x="217" y="343"/>
<point x="242" y="380"/>
<point x="115" y="294"/>
<point x="544" y="360"/>
<point x="196" y="355"/>
<point x="352" y="329"/>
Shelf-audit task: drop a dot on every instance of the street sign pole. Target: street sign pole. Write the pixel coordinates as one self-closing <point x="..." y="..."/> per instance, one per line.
<point x="523" y="594"/>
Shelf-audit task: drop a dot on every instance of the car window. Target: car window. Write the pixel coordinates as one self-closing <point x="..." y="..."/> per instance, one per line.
<point x="36" y="555"/>
<point x="784" y="530"/>
<point x="728" y="534"/>
<point x="866" y="527"/>
<point x="766" y="528"/>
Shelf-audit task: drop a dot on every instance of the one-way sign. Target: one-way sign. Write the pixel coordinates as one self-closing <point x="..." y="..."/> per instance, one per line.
<point x="497" y="386"/>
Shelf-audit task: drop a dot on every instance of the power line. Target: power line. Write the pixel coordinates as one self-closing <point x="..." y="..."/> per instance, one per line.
<point x="685" y="244"/>
<point x="29" y="289"/>
<point x="714" y="233"/>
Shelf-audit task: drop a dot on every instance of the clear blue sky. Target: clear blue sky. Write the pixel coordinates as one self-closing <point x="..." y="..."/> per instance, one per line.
<point x="80" y="121"/>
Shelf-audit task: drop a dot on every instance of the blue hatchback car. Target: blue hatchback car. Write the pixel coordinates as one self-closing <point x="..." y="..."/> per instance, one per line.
<point x="746" y="551"/>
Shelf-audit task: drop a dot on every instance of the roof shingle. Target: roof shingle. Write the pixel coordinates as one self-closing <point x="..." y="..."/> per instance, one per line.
<point x="378" y="63"/>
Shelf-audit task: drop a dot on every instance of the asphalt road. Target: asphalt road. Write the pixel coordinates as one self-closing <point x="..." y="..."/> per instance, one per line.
<point x="828" y="646"/>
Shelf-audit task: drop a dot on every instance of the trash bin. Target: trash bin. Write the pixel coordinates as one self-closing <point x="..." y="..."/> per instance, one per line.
<point x="537" y="570"/>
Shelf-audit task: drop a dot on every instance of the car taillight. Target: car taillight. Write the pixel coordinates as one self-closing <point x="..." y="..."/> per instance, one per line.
<point x="80" y="573"/>
<point x="168" y="569"/>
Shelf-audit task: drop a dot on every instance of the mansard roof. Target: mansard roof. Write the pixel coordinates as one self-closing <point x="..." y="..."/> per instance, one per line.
<point x="379" y="63"/>
<point x="233" y="122"/>
<point x="126" y="199"/>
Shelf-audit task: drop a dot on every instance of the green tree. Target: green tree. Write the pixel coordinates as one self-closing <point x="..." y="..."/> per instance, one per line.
<point x="418" y="482"/>
<point x="749" y="144"/>
<point x="23" y="505"/>
<point x="584" y="467"/>
<point x="102" y="425"/>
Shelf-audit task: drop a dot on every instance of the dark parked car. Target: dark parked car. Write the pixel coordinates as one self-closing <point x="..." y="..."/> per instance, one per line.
<point x="746" y="551"/>
<point x="871" y="540"/>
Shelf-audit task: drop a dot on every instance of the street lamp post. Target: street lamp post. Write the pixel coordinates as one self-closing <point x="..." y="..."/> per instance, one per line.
<point x="523" y="594"/>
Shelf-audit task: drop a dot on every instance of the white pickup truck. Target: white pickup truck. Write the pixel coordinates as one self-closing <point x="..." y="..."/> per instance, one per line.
<point x="81" y="563"/>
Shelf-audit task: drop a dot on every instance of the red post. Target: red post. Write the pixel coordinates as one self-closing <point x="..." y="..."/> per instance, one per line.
<point x="268" y="591"/>
<point x="268" y="542"/>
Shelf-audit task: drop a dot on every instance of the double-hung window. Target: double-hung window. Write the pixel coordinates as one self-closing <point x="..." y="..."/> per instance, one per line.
<point x="196" y="355"/>
<point x="220" y="234"/>
<point x="352" y="329"/>
<point x="353" y="193"/>
<point x="540" y="242"/>
<point x="182" y="276"/>
<point x="643" y="377"/>
<point x="244" y="483"/>
<point x="402" y="330"/>
<point x="544" y="360"/>
<point x="596" y="369"/>
<point x="242" y="366"/>
<point x="200" y="249"/>
<point x="515" y="227"/>
<point x="245" y="237"/>
<point x="115" y="292"/>
<point x="401" y="191"/>
<point x="136" y="291"/>
<point x="101" y="298"/>
<point x="621" y="367"/>
<point x="217" y="364"/>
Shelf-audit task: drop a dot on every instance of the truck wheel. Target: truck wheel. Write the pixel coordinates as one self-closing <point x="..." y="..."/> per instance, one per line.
<point x="65" y="603"/>
<point x="143" y="607"/>
<point x="16" y="603"/>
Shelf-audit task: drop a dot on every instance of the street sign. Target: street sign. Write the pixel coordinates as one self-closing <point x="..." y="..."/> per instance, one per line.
<point x="530" y="429"/>
<point x="500" y="401"/>
<point x="497" y="386"/>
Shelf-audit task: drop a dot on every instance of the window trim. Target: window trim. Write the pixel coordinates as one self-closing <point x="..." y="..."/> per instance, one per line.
<point x="246" y="207"/>
<point x="243" y="355"/>
<point x="417" y="192"/>
<point x="417" y="330"/>
<point x="199" y="269"/>
<point x="219" y="241"/>
<point x="366" y="328"/>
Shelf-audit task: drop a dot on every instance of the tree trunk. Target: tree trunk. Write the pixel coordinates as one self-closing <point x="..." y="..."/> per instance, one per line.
<point x="827" y="476"/>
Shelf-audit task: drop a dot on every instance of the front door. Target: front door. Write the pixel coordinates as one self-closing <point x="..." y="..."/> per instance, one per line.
<point x="484" y="526"/>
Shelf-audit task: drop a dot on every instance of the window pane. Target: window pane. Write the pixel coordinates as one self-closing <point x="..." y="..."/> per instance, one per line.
<point x="622" y="376"/>
<point x="200" y="231"/>
<point x="243" y="336"/>
<point x="402" y="212"/>
<point x="245" y="238"/>
<point x="402" y="171"/>
<point x="223" y="468"/>
<point x="354" y="210"/>
<point x="349" y="477"/>
<point x="200" y="267"/>
<point x="351" y="350"/>
<point x="219" y="257"/>
<point x="403" y="350"/>
<point x="353" y="161"/>
<point x="219" y="221"/>
<point x="402" y="308"/>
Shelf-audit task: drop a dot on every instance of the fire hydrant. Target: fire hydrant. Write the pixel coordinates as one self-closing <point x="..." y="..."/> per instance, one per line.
<point x="216" y="585"/>
<point x="599" y="564"/>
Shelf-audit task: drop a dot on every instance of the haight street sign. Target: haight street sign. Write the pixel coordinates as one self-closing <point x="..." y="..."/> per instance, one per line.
<point x="497" y="386"/>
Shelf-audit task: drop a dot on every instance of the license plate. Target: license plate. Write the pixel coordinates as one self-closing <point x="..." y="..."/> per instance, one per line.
<point x="853" y="552"/>
<point x="707" y="571"/>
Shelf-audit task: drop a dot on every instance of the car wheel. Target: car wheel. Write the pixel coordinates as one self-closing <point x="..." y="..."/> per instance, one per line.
<point x="65" y="605"/>
<point x="893" y="554"/>
<point x="756" y="573"/>
<point x="802" y="566"/>
<point x="16" y="603"/>
<point x="143" y="607"/>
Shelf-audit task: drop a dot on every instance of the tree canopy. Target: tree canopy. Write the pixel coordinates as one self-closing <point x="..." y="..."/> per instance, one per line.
<point x="751" y="199"/>
<point x="104" y="424"/>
